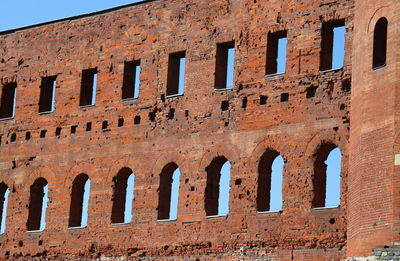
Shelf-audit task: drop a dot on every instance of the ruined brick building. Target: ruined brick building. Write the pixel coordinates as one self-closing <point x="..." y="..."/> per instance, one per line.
<point x="69" y="114"/>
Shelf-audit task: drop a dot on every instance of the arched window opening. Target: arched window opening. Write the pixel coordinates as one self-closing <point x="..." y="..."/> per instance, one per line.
<point x="38" y="205"/>
<point x="4" y="192"/>
<point x="269" y="193"/>
<point x="169" y="192"/>
<point x="216" y="201"/>
<point x="78" y="212"/>
<point x="326" y="181"/>
<point x="380" y="43"/>
<point x="123" y="196"/>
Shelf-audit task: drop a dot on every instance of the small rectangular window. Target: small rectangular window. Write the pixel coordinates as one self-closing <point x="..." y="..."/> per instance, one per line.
<point x="176" y="74"/>
<point x="88" y="87"/>
<point x="8" y="96"/>
<point x="47" y="90"/>
<point x="224" y="65"/>
<point x="276" y="53"/>
<point x="131" y="81"/>
<point x="332" y="45"/>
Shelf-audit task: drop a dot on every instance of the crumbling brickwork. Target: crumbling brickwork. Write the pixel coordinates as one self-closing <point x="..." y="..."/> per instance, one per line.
<point x="294" y="114"/>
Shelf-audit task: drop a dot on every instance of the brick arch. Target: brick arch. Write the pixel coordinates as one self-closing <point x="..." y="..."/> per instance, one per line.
<point x="133" y="163"/>
<point x="177" y="158"/>
<point x="276" y="143"/>
<point x="42" y="172"/>
<point x="83" y="167"/>
<point x="383" y="11"/>
<point x="230" y="152"/>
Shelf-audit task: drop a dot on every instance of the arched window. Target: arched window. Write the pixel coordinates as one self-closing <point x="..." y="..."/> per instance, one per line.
<point x="380" y="43"/>
<point x="123" y="196"/>
<point x="4" y="191"/>
<point x="78" y="211"/>
<point x="168" y="192"/>
<point x="269" y="193"/>
<point x="37" y="205"/>
<point x="326" y="181"/>
<point x="216" y="201"/>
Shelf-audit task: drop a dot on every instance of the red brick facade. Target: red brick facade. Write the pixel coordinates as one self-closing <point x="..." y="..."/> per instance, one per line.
<point x="200" y="130"/>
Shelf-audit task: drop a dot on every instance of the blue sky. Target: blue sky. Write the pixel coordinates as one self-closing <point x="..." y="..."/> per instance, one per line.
<point x="27" y="12"/>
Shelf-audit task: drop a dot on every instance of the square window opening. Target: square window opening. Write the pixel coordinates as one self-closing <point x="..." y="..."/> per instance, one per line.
<point x="88" y="87"/>
<point x="47" y="91"/>
<point x="263" y="99"/>
<point x="332" y="45"/>
<point x="176" y="73"/>
<point x="7" y="107"/>
<point x="276" y="53"/>
<point x="131" y="80"/>
<point x="284" y="97"/>
<point x="224" y="65"/>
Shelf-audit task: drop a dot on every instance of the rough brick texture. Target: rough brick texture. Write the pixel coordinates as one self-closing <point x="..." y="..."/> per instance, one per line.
<point x="191" y="130"/>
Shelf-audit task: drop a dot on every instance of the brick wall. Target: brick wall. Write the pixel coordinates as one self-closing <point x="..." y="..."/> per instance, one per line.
<point x="199" y="131"/>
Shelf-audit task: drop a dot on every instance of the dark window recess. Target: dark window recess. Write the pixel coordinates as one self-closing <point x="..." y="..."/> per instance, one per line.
<point x="8" y="100"/>
<point x="224" y="105"/>
<point x="47" y="89"/>
<point x="263" y="100"/>
<point x="3" y="202"/>
<point x="36" y="204"/>
<point x="244" y="102"/>
<point x="73" y="129"/>
<point x="224" y="54"/>
<point x="320" y="174"/>
<point x="28" y="135"/>
<point x="43" y="134"/>
<point x="120" y="184"/>
<point x="13" y="137"/>
<point x="164" y="191"/>
<point x="88" y="126"/>
<point x="131" y="80"/>
<point x="136" y="120"/>
<point x="186" y="113"/>
<point x="284" y="97"/>
<point x="76" y="207"/>
<point x="380" y="43"/>
<point x="104" y="125"/>
<point x="273" y="52"/>
<point x="264" y="180"/>
<point x="171" y="114"/>
<point x="58" y="131"/>
<point x="211" y="199"/>
<point x="311" y="91"/>
<point x="88" y="87"/>
<point x="176" y="73"/>
<point x="120" y="122"/>
<point x="327" y="43"/>
<point x="152" y="116"/>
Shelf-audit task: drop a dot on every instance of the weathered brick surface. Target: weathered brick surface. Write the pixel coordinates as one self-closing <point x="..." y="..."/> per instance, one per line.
<point x="150" y="31"/>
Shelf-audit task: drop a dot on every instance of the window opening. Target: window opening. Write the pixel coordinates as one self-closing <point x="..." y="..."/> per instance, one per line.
<point x="38" y="205"/>
<point x="326" y="180"/>
<point x="78" y="213"/>
<point x="4" y="192"/>
<point x="28" y="135"/>
<point x="88" y="87"/>
<point x="217" y="188"/>
<point x="123" y="196"/>
<point x="169" y="192"/>
<point x="47" y="92"/>
<point x="176" y="74"/>
<point x="131" y="80"/>
<point x="136" y="120"/>
<point x="276" y="52"/>
<point x="380" y="43"/>
<point x="8" y="97"/>
<point x="224" y="65"/>
<point x="43" y="134"/>
<point x="58" y="131"/>
<point x="332" y="45"/>
<point x="269" y="192"/>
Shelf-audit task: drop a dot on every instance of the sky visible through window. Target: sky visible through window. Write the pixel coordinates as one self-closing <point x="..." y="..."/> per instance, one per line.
<point x="27" y="12"/>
